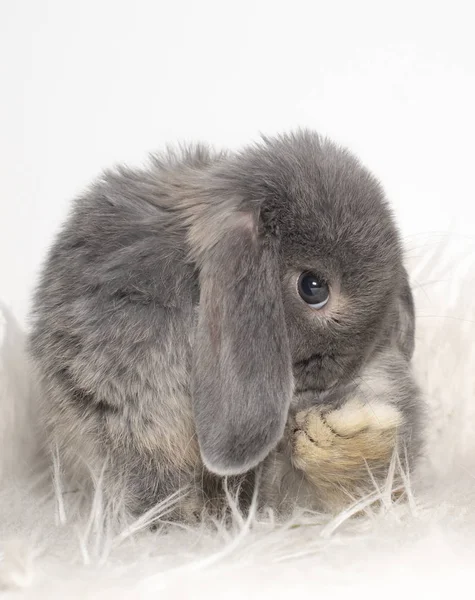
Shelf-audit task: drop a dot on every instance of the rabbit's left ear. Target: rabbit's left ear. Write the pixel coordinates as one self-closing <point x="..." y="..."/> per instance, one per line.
<point x="242" y="373"/>
<point x="404" y="328"/>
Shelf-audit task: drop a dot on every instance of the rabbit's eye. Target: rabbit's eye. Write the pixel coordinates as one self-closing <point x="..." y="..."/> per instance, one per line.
<point x="313" y="290"/>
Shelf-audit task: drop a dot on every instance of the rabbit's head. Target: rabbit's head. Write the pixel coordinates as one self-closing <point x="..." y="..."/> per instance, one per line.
<point x="301" y="281"/>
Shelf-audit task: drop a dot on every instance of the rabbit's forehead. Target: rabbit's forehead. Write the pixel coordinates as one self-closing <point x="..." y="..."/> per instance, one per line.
<point x="328" y="209"/>
<point x="348" y="221"/>
<point x="351" y="247"/>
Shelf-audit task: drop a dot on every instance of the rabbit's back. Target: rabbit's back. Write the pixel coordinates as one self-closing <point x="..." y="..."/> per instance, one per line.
<point x="112" y="325"/>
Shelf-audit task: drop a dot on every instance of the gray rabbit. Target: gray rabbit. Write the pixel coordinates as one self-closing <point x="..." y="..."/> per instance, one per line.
<point x="219" y="311"/>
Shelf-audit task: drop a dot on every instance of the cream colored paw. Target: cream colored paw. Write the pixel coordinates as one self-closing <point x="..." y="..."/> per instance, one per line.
<point x="338" y="449"/>
<point x="356" y="416"/>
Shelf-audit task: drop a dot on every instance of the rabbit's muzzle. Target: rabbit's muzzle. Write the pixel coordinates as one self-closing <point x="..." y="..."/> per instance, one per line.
<point x="320" y="373"/>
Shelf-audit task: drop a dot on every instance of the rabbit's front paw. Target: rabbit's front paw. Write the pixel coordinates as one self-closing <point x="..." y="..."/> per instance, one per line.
<point x="340" y="450"/>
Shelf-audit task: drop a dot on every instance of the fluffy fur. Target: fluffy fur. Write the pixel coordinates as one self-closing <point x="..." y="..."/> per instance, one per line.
<point x="173" y="348"/>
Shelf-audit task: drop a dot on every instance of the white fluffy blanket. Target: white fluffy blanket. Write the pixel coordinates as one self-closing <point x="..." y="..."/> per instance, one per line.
<point x="424" y="545"/>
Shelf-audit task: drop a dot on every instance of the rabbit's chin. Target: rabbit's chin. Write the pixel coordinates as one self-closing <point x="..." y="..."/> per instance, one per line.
<point x="331" y="395"/>
<point x="303" y="399"/>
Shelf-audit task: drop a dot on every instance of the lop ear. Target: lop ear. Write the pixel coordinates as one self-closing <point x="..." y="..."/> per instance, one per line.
<point x="242" y="373"/>
<point x="404" y="329"/>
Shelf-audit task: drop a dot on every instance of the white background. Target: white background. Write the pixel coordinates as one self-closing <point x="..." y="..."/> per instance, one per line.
<point x="86" y="83"/>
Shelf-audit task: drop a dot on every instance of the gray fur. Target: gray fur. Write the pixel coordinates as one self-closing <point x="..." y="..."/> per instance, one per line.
<point x="167" y="330"/>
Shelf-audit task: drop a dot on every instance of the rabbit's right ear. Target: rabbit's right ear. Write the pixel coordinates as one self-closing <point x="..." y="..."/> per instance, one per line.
<point x="242" y="374"/>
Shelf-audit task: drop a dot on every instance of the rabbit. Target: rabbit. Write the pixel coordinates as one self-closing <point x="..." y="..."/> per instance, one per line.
<point x="221" y="314"/>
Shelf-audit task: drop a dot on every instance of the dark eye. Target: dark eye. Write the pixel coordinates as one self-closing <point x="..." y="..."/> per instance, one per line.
<point x="313" y="290"/>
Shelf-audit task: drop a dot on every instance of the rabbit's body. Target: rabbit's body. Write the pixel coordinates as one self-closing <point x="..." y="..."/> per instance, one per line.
<point x="110" y="313"/>
<point x="171" y="341"/>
